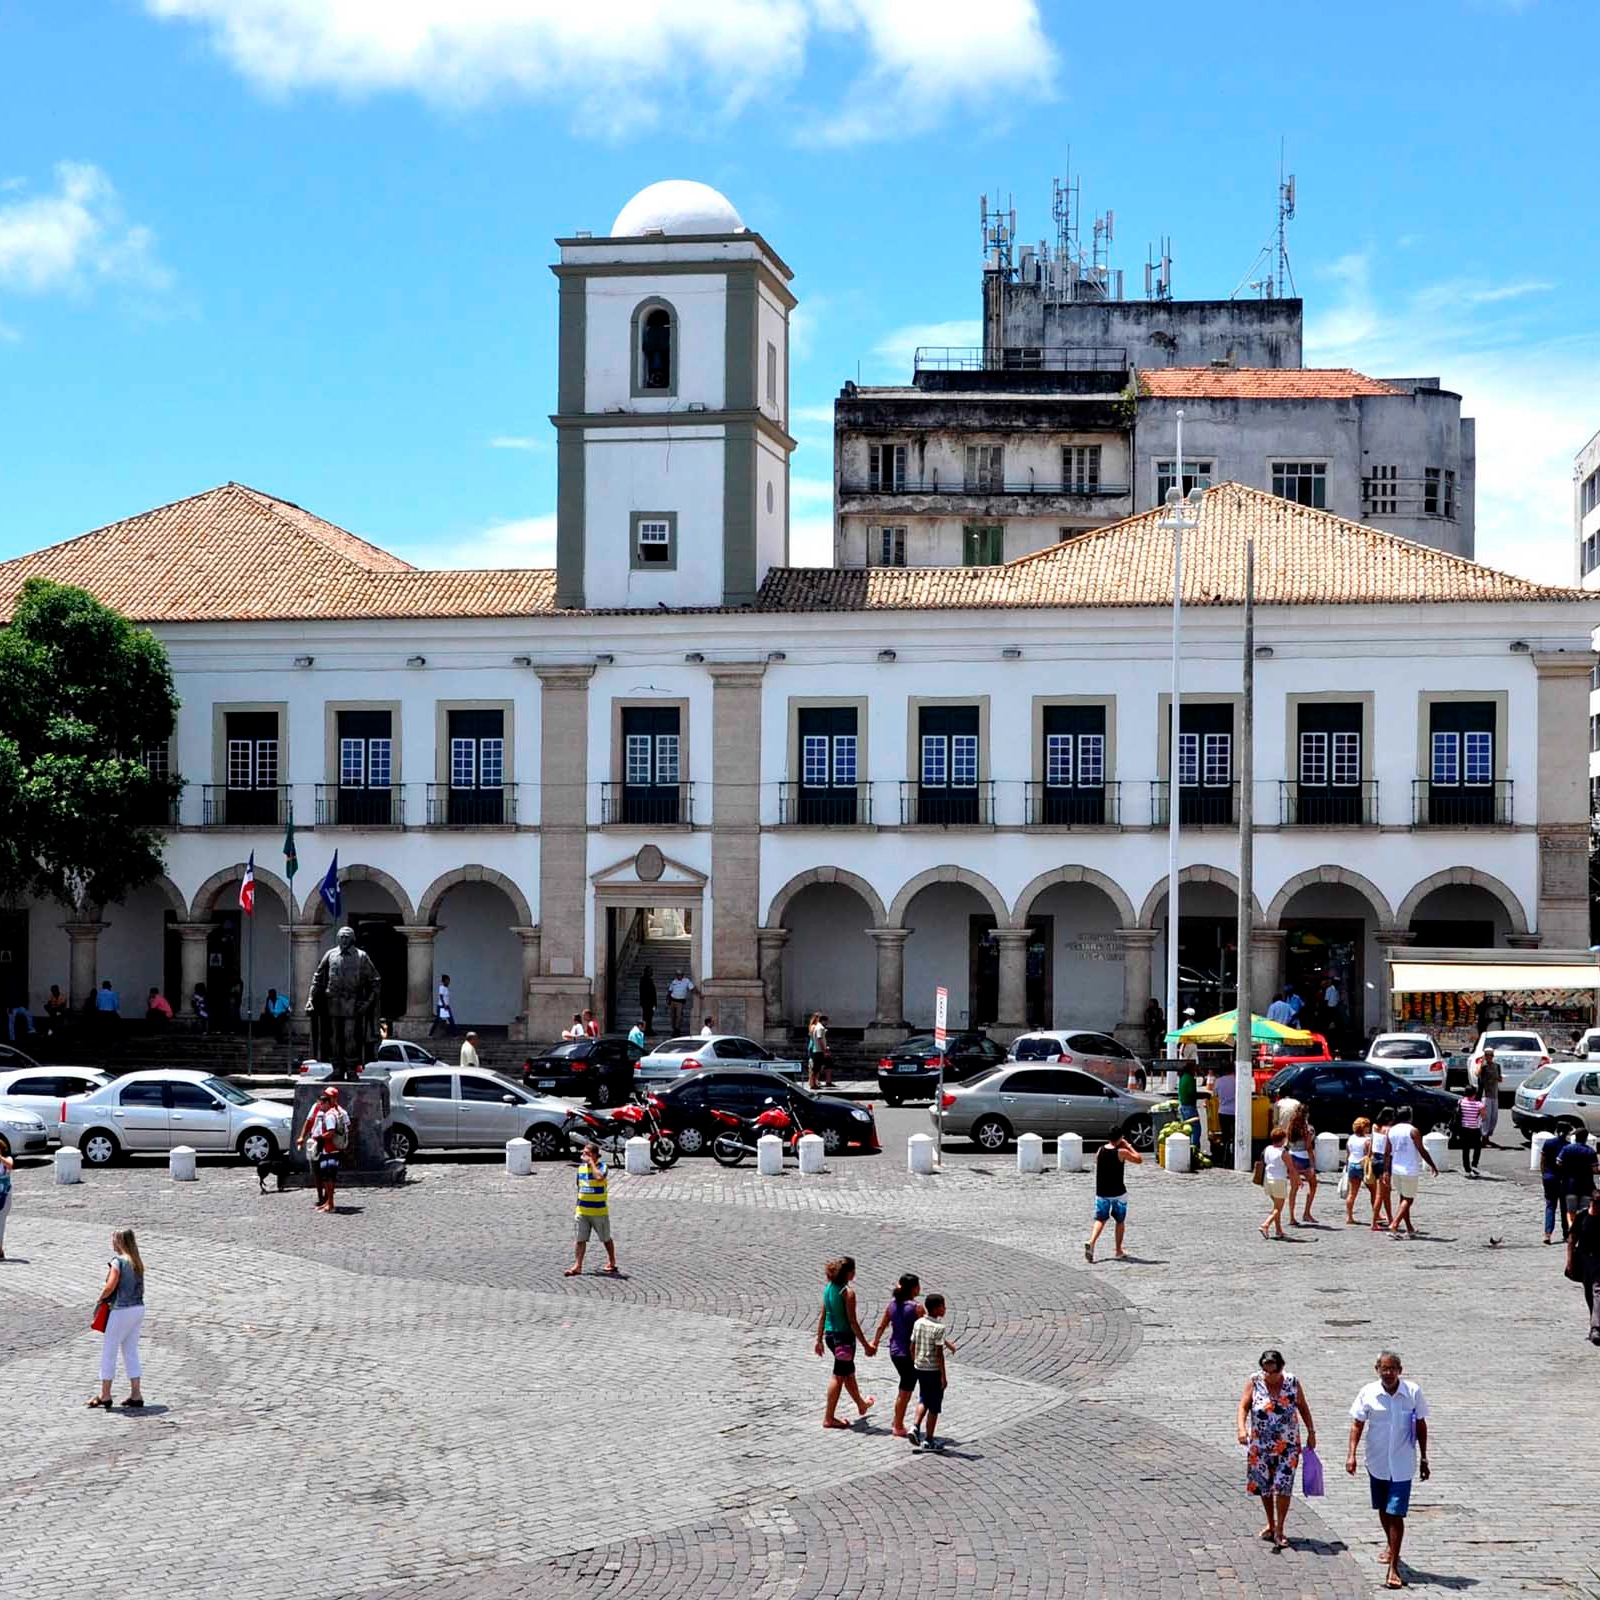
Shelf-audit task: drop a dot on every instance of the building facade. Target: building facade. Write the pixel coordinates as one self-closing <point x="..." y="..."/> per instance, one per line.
<point x="1586" y="555"/>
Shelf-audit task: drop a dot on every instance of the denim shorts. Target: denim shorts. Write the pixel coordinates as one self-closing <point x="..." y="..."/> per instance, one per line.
<point x="1106" y="1207"/>
<point x="1391" y="1495"/>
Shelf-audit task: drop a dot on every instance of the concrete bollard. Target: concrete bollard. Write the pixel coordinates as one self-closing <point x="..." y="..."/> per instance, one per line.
<point x="69" y="1164"/>
<point x="519" y="1158"/>
<point x="919" y="1154"/>
<point x="1326" y="1152"/>
<point x="1179" y="1150"/>
<point x="181" y="1164"/>
<point x="636" y="1153"/>
<point x="1536" y="1154"/>
<point x="812" y="1150"/>
<point x="1438" y="1146"/>
<point x="769" y="1155"/>
<point x="1069" y="1153"/>
<point x="1030" y="1153"/>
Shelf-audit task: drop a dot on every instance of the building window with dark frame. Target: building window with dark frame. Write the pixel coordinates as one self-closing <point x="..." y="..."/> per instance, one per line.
<point x="982" y="544"/>
<point x="1328" y="787"/>
<point x="830" y="770"/>
<point x="251" y="794"/>
<point x="366" y="769"/>
<point x="477" y="792"/>
<point x="1196" y="475"/>
<point x="1304" y="482"/>
<point x="986" y="468"/>
<point x="1461" y="763"/>
<point x="652" y="765"/>
<point x="656" y="353"/>
<point x="886" y="468"/>
<point x="947" y="764"/>
<point x="1205" y="764"/>
<point x="890" y="546"/>
<point x="1080" y="468"/>
<point x="1074" y="759"/>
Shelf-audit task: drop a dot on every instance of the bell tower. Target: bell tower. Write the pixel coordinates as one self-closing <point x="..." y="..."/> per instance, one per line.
<point x="672" y="420"/>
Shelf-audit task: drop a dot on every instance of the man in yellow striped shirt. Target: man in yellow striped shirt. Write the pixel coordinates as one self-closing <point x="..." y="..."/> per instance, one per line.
<point x="593" y="1215"/>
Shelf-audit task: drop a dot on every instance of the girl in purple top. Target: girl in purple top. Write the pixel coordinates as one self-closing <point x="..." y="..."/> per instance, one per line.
<point x="902" y="1310"/>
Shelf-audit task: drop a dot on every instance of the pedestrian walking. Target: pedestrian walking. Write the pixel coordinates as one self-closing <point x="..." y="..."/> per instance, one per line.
<point x="592" y="1218"/>
<point x="201" y="1008"/>
<point x="899" y="1317"/>
<point x="1301" y="1143"/>
<point x="1490" y="1078"/>
<point x="1270" y="1412"/>
<point x="1382" y="1172"/>
<point x="1470" y="1112"/>
<point x="1407" y="1156"/>
<point x="679" y="993"/>
<point x="55" y="1011"/>
<point x="123" y="1295"/>
<point x="647" y="1000"/>
<point x="1576" y="1165"/>
<point x="1275" y="1180"/>
<point x="1155" y="1029"/>
<point x="929" y="1342"/>
<point x="839" y="1331"/>
<point x="1189" y="1103"/>
<point x="444" y="1016"/>
<point x="1394" y="1416"/>
<point x="1357" y="1166"/>
<point x="1111" y="1193"/>
<point x="591" y="1026"/>
<point x="708" y="1028"/>
<point x="1550" y="1182"/>
<point x="324" y="1137"/>
<point x="1227" y="1106"/>
<point x="1280" y="1010"/>
<point x="1583" y="1258"/>
<point x="469" y="1053"/>
<point x="7" y="1166"/>
<point x="636" y="1037"/>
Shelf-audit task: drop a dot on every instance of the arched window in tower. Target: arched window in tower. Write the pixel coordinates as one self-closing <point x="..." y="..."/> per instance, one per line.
<point x="655" y="343"/>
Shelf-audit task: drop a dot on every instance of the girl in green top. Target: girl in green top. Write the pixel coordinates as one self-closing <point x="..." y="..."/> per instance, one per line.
<point x="840" y="1332"/>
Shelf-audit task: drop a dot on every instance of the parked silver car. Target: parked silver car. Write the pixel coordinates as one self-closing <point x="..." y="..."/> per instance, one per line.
<point x="1099" y="1053"/>
<point x="1047" y="1100"/>
<point x="442" y="1109"/>
<point x="41" y="1090"/>
<point x="161" y="1107"/>
<point x="672" y="1057"/>
<point x="22" y="1132"/>
<point x="1558" y="1099"/>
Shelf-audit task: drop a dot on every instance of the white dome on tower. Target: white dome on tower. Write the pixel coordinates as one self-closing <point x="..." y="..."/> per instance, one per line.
<point x="677" y="206"/>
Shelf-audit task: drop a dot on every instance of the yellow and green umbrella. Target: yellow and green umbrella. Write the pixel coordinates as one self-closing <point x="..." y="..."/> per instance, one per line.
<point x="1222" y="1027"/>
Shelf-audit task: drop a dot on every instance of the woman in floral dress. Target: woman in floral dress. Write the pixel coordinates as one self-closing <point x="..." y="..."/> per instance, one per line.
<point x="1270" y="1412"/>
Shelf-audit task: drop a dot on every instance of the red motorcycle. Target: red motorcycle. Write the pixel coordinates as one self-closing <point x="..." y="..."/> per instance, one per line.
<point x="736" y="1136"/>
<point x="611" y="1130"/>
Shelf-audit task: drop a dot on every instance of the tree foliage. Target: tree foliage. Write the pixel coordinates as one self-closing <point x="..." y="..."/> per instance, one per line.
<point x="82" y="694"/>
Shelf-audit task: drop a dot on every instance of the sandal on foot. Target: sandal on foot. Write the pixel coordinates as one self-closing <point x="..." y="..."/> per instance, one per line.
<point x="834" y="1422"/>
<point x="135" y="1404"/>
<point x="96" y="1403"/>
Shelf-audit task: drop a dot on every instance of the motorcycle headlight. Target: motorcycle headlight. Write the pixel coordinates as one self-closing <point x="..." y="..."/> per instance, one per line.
<point x="861" y="1116"/>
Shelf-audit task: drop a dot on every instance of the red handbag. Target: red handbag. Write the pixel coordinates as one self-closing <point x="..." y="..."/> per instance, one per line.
<point x="102" y="1315"/>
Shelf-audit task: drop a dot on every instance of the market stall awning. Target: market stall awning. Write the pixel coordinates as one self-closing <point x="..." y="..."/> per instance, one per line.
<point x="1453" y="977"/>
<point x="1222" y="1027"/>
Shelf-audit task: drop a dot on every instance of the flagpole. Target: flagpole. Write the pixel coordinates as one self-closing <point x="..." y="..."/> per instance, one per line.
<point x="249" y="1002"/>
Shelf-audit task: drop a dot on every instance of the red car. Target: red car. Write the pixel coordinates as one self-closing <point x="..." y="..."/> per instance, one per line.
<point x="1276" y="1054"/>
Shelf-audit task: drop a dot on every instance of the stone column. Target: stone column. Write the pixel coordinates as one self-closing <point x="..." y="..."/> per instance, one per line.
<point x="419" y="938"/>
<point x="1138" y="951"/>
<point x="529" y="939"/>
<point x="192" y="937"/>
<point x="889" y="1022"/>
<point x="83" y="970"/>
<point x="305" y="949"/>
<point x="1266" y="966"/>
<point x="562" y="985"/>
<point x="770" y="944"/>
<point x="1388" y="941"/>
<point x="1012" y="1002"/>
<point x="733" y="988"/>
<point x="1561" y="800"/>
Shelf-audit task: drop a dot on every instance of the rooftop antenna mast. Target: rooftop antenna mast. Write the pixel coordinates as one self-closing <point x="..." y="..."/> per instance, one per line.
<point x="999" y="233"/>
<point x="1285" y="217"/>
<point x="1158" y="275"/>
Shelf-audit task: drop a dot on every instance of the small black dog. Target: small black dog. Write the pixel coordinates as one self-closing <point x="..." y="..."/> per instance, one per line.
<point x="273" y="1167"/>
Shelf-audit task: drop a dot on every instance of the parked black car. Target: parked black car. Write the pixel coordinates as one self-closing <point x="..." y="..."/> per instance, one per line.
<point x="687" y="1104"/>
<point x="1335" y="1093"/>
<point x="597" y="1070"/>
<point x="910" y="1071"/>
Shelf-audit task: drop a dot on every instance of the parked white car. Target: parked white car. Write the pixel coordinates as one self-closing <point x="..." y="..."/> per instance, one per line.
<point x="392" y="1055"/>
<point x="41" y="1090"/>
<point x="1558" y="1098"/>
<point x="1413" y="1056"/>
<point x="22" y="1132"/>
<point x="1588" y="1047"/>
<point x="443" y="1109"/>
<point x="1107" y="1058"/>
<point x="166" y="1106"/>
<point x="1516" y="1052"/>
<point x="675" y="1056"/>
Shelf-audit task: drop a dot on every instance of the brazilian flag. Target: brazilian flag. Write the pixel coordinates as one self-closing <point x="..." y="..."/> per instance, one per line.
<point x="291" y="862"/>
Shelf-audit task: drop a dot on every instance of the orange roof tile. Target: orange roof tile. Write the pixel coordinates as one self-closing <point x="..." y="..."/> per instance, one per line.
<point x="1259" y="383"/>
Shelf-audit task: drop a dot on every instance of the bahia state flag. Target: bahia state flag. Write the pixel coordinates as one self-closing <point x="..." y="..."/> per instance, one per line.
<point x="247" y="889"/>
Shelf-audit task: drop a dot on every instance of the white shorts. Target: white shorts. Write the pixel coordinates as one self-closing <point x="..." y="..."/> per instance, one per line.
<point x="1277" y="1188"/>
<point x="1406" y="1184"/>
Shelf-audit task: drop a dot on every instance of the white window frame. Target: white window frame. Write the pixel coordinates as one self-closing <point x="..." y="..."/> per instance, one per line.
<point x="1197" y="474"/>
<point x="963" y="761"/>
<point x="985" y="468"/>
<point x="1091" y="761"/>
<point x="846" y="764"/>
<point x="463" y="763"/>
<point x="1311" y="472"/>
<point x="1314" y="758"/>
<point x="1080" y="468"/>
<point x="1188" y="760"/>
<point x="1477" y="759"/>
<point x="1444" y="759"/>
<point x="891" y="545"/>
<point x="668" y="760"/>
<point x="1058" y="763"/>
<point x="1345" y="767"/>
<point x="252" y="764"/>
<point x="935" y="767"/>
<point x="1218" y="761"/>
<point x="814" y="764"/>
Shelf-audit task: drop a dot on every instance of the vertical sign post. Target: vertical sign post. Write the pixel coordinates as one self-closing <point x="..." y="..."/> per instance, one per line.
<point x="941" y="1013"/>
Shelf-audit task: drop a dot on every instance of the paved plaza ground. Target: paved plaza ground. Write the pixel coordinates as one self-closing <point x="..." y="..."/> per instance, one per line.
<point x="408" y="1399"/>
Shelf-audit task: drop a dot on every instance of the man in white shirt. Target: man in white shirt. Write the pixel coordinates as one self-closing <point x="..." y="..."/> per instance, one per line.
<point x="678" y="992"/>
<point x="444" y="1017"/>
<point x="1394" y="1416"/>
<point x="708" y="1028"/>
<point x="469" y="1053"/>
<point x="1406" y="1158"/>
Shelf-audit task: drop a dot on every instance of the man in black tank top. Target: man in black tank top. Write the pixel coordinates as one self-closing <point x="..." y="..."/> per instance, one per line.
<point x="1110" y="1193"/>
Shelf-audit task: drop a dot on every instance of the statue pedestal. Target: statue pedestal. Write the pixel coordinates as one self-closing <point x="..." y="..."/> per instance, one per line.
<point x="364" y="1165"/>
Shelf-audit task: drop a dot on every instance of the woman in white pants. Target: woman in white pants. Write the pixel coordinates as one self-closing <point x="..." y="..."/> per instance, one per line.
<point x="124" y="1291"/>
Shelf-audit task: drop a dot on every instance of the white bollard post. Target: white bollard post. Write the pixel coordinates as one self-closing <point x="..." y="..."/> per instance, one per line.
<point x="812" y="1151"/>
<point x="1179" y="1150"/>
<point x="1536" y="1154"/>
<point x="69" y="1164"/>
<point x="1069" y="1153"/>
<point x="637" y="1156"/>
<point x="1438" y="1146"/>
<point x="1030" y="1153"/>
<point x="919" y="1154"/>
<point x="519" y="1158"/>
<point x="181" y="1164"/>
<point x="1326" y="1153"/>
<point x="769" y="1155"/>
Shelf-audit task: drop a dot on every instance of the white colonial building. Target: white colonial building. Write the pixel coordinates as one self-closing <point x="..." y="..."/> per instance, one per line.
<point x="814" y="789"/>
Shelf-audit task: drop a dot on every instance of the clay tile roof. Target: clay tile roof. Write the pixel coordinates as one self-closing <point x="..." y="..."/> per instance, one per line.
<point x="235" y="554"/>
<point x="1303" y="557"/>
<point x="1259" y="383"/>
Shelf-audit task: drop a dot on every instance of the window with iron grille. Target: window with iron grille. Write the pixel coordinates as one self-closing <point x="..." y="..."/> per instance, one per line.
<point x="1080" y="468"/>
<point x="1380" y="489"/>
<point x="1304" y="482"/>
<point x="886" y="468"/>
<point x="477" y="749"/>
<point x="157" y="762"/>
<point x="986" y="468"/>
<point x="1196" y="475"/>
<point x="891" y="547"/>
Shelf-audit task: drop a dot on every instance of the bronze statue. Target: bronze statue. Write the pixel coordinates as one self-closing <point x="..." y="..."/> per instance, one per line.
<point x="343" y="1007"/>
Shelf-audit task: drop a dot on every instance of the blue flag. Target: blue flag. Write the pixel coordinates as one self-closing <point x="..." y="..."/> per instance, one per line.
<point x="332" y="894"/>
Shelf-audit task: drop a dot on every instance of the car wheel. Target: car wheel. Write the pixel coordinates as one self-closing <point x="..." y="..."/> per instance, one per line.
<point x="547" y="1140"/>
<point x="99" y="1147"/>
<point x="1140" y="1132"/>
<point x="832" y="1141"/>
<point x="991" y="1133"/>
<point x="691" y="1141"/>
<point x="257" y="1145"/>
<point x="601" y="1096"/>
<point x="893" y="1101"/>
<point x="400" y="1144"/>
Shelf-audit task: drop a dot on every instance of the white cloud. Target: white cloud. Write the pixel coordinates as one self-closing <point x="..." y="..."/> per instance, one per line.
<point x="625" y="65"/>
<point x="817" y="416"/>
<point x="811" y="541"/>
<point x="74" y="236"/>
<point x="512" y="441"/>
<point x="811" y="492"/>
<point x="1533" y="397"/>
<point x="519" y="542"/>
<point x="894" y="354"/>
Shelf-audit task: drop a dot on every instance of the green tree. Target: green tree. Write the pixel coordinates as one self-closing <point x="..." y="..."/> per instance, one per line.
<point x="82" y="694"/>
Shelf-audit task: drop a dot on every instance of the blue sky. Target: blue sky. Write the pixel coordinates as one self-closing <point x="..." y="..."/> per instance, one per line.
<point x="304" y="243"/>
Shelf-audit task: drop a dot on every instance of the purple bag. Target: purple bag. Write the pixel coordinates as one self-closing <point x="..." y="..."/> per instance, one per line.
<point x="1310" y="1472"/>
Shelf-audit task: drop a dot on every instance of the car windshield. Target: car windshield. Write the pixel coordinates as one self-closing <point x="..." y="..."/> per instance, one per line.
<point x="1542" y="1079"/>
<point x="1403" y="1050"/>
<point x="678" y="1047"/>
<point x="228" y="1092"/>
<point x="509" y="1084"/>
<point x="1278" y="1084"/>
<point x="984" y="1077"/>
<point x="565" y="1052"/>
<point x="916" y="1043"/>
<point x="1513" y="1041"/>
<point x="1036" y="1049"/>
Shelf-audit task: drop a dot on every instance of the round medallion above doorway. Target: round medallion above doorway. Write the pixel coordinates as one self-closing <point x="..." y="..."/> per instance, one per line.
<point x="649" y="864"/>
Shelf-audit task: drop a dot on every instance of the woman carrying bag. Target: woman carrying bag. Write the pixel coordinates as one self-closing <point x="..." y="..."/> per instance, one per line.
<point x="122" y="1300"/>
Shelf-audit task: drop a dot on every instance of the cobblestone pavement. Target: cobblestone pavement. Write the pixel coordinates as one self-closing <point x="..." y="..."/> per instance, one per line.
<point x="479" y="1425"/>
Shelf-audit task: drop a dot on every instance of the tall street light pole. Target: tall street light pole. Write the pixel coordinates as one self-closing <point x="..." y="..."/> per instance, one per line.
<point x="1244" y="1032"/>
